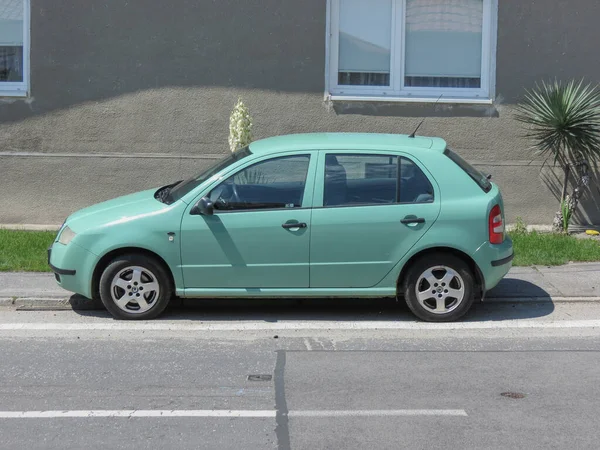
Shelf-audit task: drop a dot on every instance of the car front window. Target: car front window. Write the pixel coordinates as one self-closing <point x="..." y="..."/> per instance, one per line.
<point x="271" y="184"/>
<point x="185" y="187"/>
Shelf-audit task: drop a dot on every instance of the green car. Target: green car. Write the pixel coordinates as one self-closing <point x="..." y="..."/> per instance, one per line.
<point x="308" y="215"/>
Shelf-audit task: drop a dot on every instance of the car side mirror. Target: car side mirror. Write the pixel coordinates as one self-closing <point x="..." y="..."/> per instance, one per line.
<point x="204" y="207"/>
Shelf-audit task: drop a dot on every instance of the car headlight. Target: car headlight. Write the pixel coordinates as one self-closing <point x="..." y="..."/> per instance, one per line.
<point x="66" y="236"/>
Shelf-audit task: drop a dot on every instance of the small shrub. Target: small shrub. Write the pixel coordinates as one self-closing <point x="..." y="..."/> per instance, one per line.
<point x="520" y="226"/>
<point x="567" y="212"/>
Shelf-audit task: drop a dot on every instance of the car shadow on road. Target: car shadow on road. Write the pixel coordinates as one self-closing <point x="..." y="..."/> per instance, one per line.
<point x="336" y="309"/>
<point x="517" y="288"/>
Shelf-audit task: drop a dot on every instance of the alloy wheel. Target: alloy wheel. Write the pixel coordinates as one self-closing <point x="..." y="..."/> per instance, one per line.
<point x="135" y="289"/>
<point x="440" y="290"/>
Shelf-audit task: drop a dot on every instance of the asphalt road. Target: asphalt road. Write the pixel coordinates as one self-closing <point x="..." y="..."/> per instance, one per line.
<point x="367" y="376"/>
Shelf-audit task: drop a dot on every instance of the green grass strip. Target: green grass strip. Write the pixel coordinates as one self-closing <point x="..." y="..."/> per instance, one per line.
<point x="544" y="249"/>
<point x="25" y="251"/>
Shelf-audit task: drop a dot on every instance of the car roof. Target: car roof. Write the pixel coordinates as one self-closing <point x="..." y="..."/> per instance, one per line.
<point x="347" y="141"/>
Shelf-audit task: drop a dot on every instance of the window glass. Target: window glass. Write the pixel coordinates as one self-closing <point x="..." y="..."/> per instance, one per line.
<point x="373" y="179"/>
<point x="365" y="42"/>
<point x="414" y="184"/>
<point x="11" y="41"/>
<point x="422" y="48"/>
<point x="360" y="179"/>
<point x="192" y="183"/>
<point x="443" y="43"/>
<point x="274" y="183"/>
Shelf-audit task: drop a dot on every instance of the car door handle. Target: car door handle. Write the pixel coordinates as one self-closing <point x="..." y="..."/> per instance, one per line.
<point x="294" y="225"/>
<point x="410" y="220"/>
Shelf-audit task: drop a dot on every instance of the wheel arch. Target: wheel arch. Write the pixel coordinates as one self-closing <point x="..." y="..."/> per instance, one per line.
<point x="479" y="279"/>
<point x="105" y="260"/>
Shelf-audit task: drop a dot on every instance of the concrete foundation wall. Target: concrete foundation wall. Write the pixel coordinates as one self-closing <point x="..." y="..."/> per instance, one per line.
<point x="134" y="95"/>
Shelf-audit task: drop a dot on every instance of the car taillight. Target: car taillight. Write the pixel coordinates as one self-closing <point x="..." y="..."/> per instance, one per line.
<point x="496" y="226"/>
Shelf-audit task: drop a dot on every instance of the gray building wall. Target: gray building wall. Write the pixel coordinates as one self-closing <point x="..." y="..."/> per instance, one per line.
<point x="131" y="95"/>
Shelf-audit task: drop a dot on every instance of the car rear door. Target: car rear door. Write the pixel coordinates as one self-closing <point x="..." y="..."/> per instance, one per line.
<point x="370" y="209"/>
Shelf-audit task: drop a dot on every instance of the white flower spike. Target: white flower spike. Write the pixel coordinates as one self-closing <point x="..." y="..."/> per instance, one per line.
<point x="240" y="126"/>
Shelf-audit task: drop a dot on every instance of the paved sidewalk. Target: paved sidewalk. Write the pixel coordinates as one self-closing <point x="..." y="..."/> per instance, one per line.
<point x="577" y="280"/>
<point x="572" y="282"/>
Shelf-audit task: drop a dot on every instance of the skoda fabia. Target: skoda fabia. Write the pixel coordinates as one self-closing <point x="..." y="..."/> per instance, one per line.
<point x="312" y="215"/>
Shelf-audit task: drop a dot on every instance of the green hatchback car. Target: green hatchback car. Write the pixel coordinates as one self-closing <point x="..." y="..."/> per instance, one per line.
<point x="308" y="215"/>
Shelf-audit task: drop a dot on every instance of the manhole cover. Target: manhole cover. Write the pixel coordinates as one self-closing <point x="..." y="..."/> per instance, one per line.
<point x="516" y="395"/>
<point x="262" y="377"/>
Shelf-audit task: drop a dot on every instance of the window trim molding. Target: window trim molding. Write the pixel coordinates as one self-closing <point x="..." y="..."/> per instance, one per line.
<point x="397" y="91"/>
<point x="21" y="88"/>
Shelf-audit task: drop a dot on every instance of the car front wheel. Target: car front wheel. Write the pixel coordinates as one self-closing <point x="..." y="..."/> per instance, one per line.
<point x="135" y="287"/>
<point x="439" y="288"/>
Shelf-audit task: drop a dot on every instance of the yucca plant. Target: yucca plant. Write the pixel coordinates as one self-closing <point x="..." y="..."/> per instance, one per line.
<point x="240" y="126"/>
<point x="564" y="121"/>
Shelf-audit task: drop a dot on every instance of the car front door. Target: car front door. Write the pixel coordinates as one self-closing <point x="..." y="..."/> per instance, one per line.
<point x="259" y="235"/>
<point x="370" y="208"/>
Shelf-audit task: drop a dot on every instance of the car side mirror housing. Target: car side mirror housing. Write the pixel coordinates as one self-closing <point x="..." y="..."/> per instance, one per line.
<point x="204" y="207"/>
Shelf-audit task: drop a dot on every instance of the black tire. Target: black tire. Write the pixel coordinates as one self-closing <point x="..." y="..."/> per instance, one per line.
<point x="156" y="303"/>
<point x="456" y="309"/>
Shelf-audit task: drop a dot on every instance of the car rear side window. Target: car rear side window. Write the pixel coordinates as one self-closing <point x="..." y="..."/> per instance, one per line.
<point x="415" y="187"/>
<point x="369" y="179"/>
<point x="479" y="177"/>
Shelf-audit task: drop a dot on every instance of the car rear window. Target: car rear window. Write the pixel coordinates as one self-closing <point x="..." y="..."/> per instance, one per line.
<point x="479" y="177"/>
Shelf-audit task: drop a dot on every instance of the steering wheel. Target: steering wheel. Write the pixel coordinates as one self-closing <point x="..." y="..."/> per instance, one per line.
<point x="234" y="197"/>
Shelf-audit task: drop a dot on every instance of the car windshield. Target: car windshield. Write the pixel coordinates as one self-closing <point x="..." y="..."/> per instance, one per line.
<point x="479" y="177"/>
<point x="190" y="184"/>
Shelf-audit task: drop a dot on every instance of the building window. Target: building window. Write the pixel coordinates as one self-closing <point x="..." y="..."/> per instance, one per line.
<point x="14" y="47"/>
<point x="422" y="49"/>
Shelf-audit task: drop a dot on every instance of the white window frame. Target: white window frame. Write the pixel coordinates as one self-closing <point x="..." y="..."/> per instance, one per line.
<point x="397" y="91"/>
<point x="20" y="88"/>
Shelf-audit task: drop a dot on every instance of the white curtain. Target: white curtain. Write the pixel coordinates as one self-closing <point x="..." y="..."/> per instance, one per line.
<point x="365" y="41"/>
<point x="443" y="43"/>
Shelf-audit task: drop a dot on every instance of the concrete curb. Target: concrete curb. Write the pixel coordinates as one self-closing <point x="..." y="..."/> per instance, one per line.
<point x="541" y="299"/>
<point x="28" y="227"/>
<point x="81" y="303"/>
<point x="49" y="303"/>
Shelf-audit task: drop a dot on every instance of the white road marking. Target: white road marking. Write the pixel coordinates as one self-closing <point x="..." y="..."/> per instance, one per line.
<point x="296" y="325"/>
<point x="380" y="413"/>
<point x="133" y="413"/>
<point x="94" y="413"/>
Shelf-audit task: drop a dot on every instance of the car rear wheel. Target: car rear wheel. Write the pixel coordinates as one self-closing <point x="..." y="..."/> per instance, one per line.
<point x="135" y="287"/>
<point x="439" y="287"/>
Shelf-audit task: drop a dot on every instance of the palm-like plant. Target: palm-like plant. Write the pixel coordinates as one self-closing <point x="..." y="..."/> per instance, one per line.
<point x="564" y="122"/>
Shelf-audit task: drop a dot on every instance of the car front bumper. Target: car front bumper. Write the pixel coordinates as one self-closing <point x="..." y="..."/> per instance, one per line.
<point x="58" y="271"/>
<point x="73" y="267"/>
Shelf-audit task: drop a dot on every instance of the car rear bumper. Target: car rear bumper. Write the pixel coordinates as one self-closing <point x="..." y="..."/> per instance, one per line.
<point x="72" y="266"/>
<point x="494" y="261"/>
<point x="503" y="261"/>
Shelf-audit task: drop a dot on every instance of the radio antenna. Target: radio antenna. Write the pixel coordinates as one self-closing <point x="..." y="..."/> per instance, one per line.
<point x="412" y="135"/>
